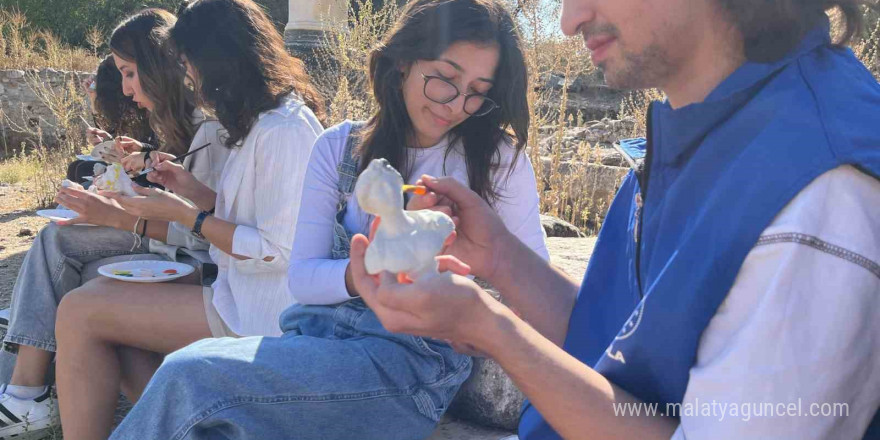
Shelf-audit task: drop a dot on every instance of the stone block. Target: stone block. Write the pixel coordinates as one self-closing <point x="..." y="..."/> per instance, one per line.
<point x="556" y="227"/>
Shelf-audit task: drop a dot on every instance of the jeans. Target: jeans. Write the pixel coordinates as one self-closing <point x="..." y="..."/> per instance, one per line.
<point x="335" y="373"/>
<point x="61" y="259"/>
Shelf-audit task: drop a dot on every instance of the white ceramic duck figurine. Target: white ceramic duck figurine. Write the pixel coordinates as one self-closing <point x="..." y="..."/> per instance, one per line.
<point x="405" y="241"/>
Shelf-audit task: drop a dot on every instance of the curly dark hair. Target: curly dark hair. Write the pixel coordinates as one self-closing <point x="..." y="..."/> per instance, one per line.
<point x="242" y="64"/>
<point x="425" y="30"/>
<point x="115" y="112"/>
<point x="772" y="28"/>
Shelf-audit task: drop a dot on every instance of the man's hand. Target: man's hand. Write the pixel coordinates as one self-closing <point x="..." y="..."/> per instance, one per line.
<point x="449" y="306"/>
<point x="480" y="232"/>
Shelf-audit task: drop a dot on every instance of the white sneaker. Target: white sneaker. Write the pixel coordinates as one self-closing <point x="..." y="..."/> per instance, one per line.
<point x="23" y="418"/>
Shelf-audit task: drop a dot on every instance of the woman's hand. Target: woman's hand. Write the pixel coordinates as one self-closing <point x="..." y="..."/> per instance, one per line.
<point x="155" y="204"/>
<point x="95" y="136"/>
<point x="92" y="208"/>
<point x="135" y="162"/>
<point x="171" y="175"/>
<point x="126" y="145"/>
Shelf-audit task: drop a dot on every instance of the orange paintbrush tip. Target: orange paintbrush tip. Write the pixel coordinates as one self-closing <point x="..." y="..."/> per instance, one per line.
<point x="418" y="189"/>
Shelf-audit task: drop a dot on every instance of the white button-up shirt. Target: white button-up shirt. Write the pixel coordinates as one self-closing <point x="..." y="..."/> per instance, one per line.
<point x="260" y="191"/>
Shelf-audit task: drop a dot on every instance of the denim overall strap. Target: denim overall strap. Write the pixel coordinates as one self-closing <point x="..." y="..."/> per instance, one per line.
<point x="348" y="172"/>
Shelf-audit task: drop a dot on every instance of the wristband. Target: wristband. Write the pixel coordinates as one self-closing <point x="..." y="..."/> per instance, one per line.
<point x="197" y="226"/>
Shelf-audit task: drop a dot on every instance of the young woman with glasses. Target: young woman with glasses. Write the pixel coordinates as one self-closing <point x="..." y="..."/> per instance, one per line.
<point x="450" y="82"/>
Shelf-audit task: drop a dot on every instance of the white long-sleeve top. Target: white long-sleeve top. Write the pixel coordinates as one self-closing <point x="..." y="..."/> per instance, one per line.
<point x="206" y="166"/>
<point x="260" y="191"/>
<point x="794" y="350"/>
<point x="315" y="278"/>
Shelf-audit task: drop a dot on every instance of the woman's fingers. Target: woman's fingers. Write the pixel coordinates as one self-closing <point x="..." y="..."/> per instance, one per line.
<point x="363" y="282"/>
<point x="159" y="157"/>
<point x="70" y="201"/>
<point x="95" y="135"/>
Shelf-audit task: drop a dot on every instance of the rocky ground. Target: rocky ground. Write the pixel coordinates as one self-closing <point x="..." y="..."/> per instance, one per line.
<point x="19" y="224"/>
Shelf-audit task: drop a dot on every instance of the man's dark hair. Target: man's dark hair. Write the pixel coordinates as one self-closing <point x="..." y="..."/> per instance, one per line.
<point x="772" y="28"/>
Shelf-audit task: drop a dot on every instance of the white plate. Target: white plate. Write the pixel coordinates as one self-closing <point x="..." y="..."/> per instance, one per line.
<point x="60" y="214"/>
<point x="112" y="270"/>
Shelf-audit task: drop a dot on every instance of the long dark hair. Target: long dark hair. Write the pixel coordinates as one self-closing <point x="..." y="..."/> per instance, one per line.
<point x="426" y="29"/>
<point x="772" y="28"/>
<point x="243" y="67"/>
<point x="115" y="112"/>
<point x="141" y="39"/>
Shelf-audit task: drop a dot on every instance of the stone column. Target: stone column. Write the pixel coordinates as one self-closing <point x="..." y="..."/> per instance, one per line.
<point x="309" y="21"/>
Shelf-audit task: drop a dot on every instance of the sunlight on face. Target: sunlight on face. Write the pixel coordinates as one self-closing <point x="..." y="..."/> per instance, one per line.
<point x="468" y="66"/>
<point x="636" y="43"/>
<point x="131" y="83"/>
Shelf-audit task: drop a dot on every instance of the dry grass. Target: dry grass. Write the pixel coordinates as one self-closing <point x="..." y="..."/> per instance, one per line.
<point x="24" y="48"/>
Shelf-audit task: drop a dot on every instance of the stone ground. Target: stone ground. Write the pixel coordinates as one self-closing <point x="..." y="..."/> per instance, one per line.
<point x="19" y="224"/>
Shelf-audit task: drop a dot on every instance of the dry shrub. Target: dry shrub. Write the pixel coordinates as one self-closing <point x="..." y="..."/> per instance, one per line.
<point x="342" y="77"/>
<point x="24" y="48"/>
<point x="867" y="49"/>
<point x="41" y="167"/>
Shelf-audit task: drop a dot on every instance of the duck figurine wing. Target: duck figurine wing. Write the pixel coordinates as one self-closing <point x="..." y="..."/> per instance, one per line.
<point x="405" y="241"/>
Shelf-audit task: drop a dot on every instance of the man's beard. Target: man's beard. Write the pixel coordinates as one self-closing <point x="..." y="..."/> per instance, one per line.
<point x="643" y="70"/>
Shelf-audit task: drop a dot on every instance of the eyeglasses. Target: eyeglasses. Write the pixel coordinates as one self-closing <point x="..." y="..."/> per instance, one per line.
<point x="442" y="91"/>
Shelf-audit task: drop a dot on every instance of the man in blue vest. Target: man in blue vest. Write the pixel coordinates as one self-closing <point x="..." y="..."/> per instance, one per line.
<point x="734" y="290"/>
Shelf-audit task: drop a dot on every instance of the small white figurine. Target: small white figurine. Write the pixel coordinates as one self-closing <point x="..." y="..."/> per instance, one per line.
<point x="405" y="241"/>
<point x="105" y="151"/>
<point x="113" y="178"/>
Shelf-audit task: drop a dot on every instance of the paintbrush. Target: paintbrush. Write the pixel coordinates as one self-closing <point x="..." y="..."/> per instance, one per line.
<point x="417" y="189"/>
<point x="177" y="159"/>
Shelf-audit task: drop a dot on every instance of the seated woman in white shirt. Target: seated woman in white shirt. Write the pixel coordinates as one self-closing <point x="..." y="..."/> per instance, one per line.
<point x="450" y="82"/>
<point x="261" y="95"/>
<point x="64" y="257"/>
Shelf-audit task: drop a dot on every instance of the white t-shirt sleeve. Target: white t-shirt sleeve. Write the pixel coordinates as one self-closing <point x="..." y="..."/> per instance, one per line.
<point x="794" y="350"/>
<point x="518" y="205"/>
<point x="313" y="276"/>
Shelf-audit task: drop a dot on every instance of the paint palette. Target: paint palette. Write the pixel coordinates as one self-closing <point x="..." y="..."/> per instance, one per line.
<point x="150" y="271"/>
